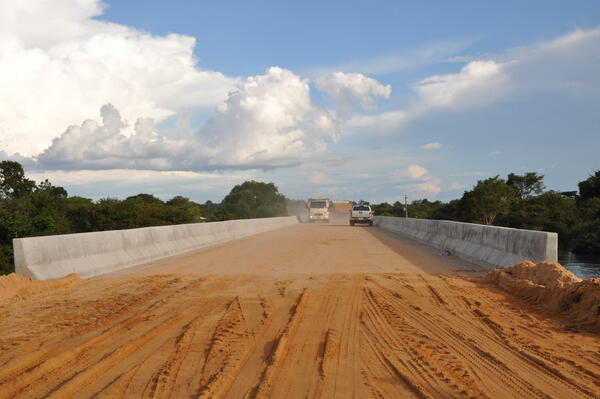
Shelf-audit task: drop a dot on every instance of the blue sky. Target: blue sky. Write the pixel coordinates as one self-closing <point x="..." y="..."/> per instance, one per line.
<point x="313" y="34"/>
<point x="347" y="99"/>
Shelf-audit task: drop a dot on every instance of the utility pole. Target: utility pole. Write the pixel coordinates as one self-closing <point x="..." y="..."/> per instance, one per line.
<point x="405" y="206"/>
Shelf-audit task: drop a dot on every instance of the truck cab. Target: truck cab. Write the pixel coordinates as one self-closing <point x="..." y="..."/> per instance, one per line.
<point x="318" y="209"/>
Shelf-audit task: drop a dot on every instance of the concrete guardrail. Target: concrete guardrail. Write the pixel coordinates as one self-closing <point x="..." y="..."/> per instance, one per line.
<point x="91" y="254"/>
<point x="489" y="246"/>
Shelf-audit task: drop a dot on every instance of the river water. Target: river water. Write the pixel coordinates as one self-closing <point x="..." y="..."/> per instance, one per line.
<point x="583" y="266"/>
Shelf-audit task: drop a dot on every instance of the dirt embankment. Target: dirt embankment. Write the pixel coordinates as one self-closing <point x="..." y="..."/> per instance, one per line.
<point x="387" y="335"/>
<point x="15" y="286"/>
<point x="554" y="288"/>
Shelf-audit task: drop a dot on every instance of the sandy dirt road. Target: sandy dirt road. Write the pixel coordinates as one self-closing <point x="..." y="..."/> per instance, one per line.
<point x="310" y="311"/>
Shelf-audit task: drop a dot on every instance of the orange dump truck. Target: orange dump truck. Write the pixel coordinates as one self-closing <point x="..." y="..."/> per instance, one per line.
<point x="342" y="206"/>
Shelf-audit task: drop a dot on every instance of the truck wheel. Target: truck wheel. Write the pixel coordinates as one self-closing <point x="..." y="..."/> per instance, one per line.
<point x="351" y="223"/>
<point x="371" y="223"/>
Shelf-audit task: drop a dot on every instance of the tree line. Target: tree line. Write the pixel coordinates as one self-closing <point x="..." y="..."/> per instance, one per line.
<point x="30" y="209"/>
<point x="520" y="201"/>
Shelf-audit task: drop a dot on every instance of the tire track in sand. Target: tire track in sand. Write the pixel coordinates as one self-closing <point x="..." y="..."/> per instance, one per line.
<point x="337" y="336"/>
<point x="482" y="349"/>
<point x="279" y="349"/>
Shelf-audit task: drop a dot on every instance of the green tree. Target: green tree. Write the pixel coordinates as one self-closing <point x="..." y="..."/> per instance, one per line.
<point x="142" y="210"/>
<point x="527" y="184"/>
<point x="590" y="208"/>
<point x="488" y="199"/>
<point x="548" y="212"/>
<point x="587" y="238"/>
<point x="13" y="183"/>
<point x="423" y="208"/>
<point x="6" y="259"/>
<point x="145" y="198"/>
<point x="590" y="187"/>
<point x="453" y="210"/>
<point x="252" y="199"/>
<point x="82" y="214"/>
<point x="383" y="209"/>
<point x="30" y="209"/>
<point x="209" y="209"/>
<point x="182" y="210"/>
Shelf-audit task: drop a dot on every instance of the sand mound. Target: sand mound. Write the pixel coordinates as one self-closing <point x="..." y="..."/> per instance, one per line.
<point x="553" y="287"/>
<point x="13" y="280"/>
<point x="14" y="285"/>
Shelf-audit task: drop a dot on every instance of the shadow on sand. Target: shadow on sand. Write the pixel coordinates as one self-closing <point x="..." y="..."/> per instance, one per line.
<point x="426" y="257"/>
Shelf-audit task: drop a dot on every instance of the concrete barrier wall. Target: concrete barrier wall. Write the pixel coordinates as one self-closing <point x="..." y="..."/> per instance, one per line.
<point x="489" y="246"/>
<point x="91" y="254"/>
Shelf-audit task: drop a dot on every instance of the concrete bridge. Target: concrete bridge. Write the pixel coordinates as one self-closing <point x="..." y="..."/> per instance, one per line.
<point x="98" y="253"/>
<point x="273" y="308"/>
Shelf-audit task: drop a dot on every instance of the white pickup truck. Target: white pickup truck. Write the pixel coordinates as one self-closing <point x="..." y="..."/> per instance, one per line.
<point x="361" y="214"/>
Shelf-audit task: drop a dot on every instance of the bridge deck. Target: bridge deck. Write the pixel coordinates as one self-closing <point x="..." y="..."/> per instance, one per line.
<point x="319" y="248"/>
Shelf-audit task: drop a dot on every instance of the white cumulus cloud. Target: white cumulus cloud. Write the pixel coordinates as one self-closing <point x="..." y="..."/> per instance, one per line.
<point x="268" y="121"/>
<point x="417" y="172"/>
<point x="412" y="172"/>
<point x="429" y="187"/>
<point x="418" y="181"/>
<point x="477" y="83"/>
<point x="566" y="66"/>
<point x="345" y="90"/>
<point x="59" y="65"/>
<point x="63" y="65"/>
<point x="94" y="145"/>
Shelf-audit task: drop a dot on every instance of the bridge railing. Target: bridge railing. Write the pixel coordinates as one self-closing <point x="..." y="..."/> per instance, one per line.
<point x="91" y="254"/>
<point x="490" y="246"/>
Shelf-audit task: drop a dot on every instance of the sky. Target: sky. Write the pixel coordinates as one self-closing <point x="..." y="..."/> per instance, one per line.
<point x="345" y="99"/>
